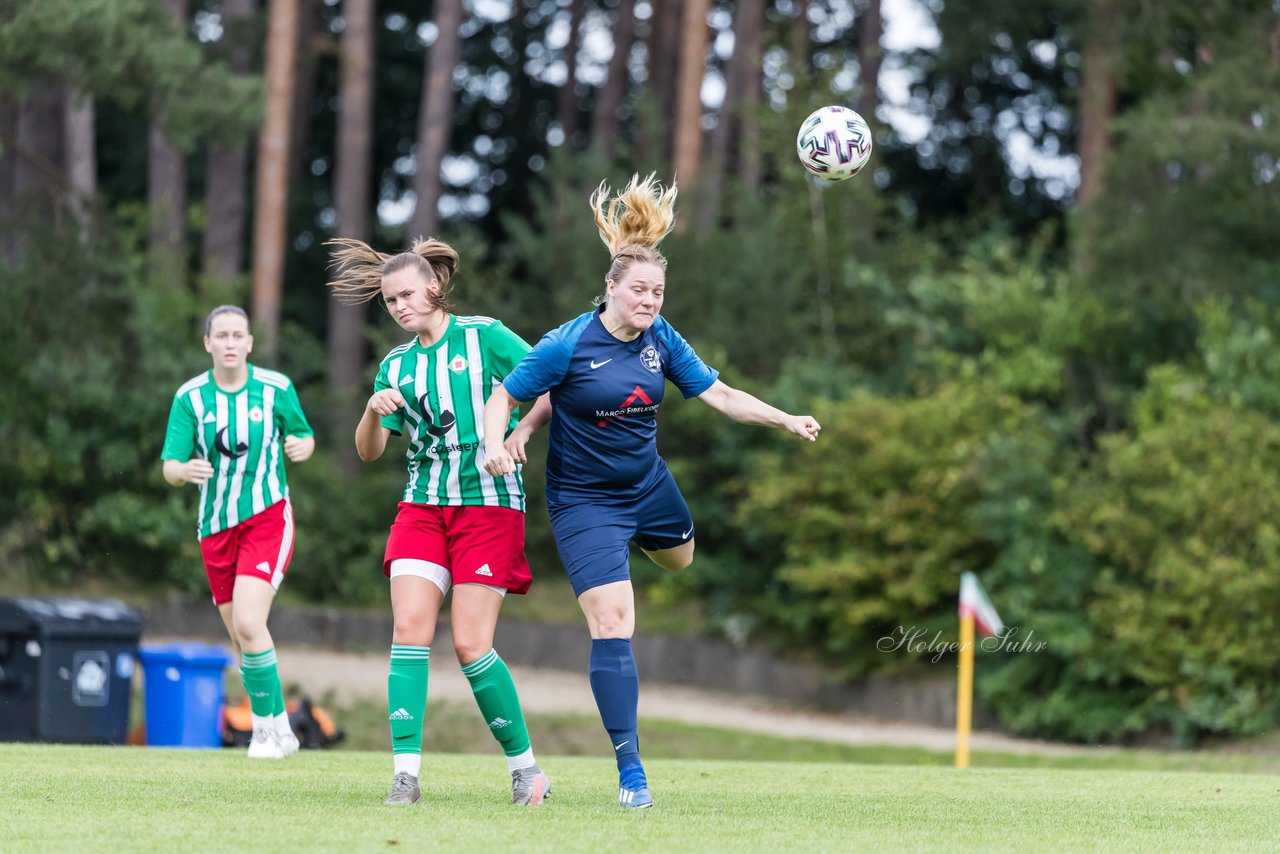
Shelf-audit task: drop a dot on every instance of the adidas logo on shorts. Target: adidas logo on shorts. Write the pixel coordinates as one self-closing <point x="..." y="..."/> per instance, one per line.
<point x="499" y="723"/>
<point x="485" y="570"/>
<point x="401" y="715"/>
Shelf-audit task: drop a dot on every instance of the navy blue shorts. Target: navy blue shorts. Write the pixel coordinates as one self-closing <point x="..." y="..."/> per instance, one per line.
<point x="593" y="538"/>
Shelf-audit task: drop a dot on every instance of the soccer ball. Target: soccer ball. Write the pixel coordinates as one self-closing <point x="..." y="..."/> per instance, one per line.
<point x="834" y="143"/>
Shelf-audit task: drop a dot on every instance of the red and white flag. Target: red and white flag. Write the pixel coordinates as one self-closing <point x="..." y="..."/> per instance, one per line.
<point x="974" y="603"/>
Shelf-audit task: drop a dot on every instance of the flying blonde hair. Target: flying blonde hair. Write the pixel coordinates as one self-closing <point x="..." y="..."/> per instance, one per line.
<point x="634" y="221"/>
<point x="359" y="269"/>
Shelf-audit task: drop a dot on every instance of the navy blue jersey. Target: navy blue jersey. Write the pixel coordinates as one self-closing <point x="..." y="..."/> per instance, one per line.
<point x="605" y="395"/>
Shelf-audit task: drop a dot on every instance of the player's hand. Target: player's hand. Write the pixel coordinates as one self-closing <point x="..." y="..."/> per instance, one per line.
<point x="804" y="426"/>
<point x="197" y="471"/>
<point x="515" y="444"/>
<point x="386" y="401"/>
<point x="497" y="461"/>
<point x="299" y="448"/>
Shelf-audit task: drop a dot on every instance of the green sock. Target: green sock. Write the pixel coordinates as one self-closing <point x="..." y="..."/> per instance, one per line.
<point x="277" y="701"/>
<point x="261" y="681"/>
<point x="407" y="696"/>
<point x="496" y="696"/>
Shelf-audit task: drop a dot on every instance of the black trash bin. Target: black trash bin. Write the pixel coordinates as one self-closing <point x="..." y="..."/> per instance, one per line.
<point x="66" y="668"/>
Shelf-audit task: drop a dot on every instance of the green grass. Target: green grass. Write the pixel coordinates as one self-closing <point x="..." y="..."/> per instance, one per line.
<point x="455" y="727"/>
<point x="59" y="798"/>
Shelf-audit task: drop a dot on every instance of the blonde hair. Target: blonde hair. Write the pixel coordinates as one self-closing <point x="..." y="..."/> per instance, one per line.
<point x="359" y="269"/>
<point x="634" y="222"/>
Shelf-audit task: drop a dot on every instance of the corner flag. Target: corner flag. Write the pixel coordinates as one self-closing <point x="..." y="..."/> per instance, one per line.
<point x="975" y="607"/>
<point x="974" y="603"/>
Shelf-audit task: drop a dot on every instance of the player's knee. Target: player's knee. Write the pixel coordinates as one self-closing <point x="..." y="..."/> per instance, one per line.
<point x="470" y="649"/>
<point x="251" y="633"/>
<point x="613" y="624"/>
<point x="412" y="629"/>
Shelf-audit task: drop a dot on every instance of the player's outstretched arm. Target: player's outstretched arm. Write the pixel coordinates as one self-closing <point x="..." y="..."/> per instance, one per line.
<point x="748" y="409"/>
<point x="371" y="436"/>
<point x="195" y="471"/>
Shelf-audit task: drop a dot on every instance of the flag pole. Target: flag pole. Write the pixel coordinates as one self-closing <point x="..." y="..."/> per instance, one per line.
<point x="964" y="697"/>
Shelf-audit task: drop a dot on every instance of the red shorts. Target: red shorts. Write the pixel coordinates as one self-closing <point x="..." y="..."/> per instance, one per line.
<point x="474" y="543"/>
<point x="260" y="546"/>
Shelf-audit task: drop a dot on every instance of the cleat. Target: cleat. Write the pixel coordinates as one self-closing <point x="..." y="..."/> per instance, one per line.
<point x="288" y="743"/>
<point x="633" y="788"/>
<point x="404" y="790"/>
<point x="529" y="786"/>
<point x="265" y="744"/>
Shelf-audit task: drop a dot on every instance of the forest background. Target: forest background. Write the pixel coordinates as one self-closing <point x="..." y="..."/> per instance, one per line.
<point x="1040" y="330"/>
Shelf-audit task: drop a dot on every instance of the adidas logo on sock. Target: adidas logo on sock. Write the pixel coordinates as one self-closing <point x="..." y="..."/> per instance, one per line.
<point x="485" y="570"/>
<point x="401" y="715"/>
<point x="499" y="723"/>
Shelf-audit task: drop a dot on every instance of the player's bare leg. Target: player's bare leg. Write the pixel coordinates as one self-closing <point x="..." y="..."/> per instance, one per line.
<point x="251" y="600"/>
<point x="475" y="617"/>
<point x="673" y="559"/>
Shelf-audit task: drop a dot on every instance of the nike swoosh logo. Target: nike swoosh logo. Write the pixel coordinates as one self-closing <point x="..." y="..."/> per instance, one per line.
<point x="620" y="746"/>
<point x="686" y="534"/>
<point x="595" y="365"/>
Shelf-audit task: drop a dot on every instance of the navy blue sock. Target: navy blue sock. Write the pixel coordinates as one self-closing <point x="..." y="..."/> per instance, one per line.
<point x="616" y="684"/>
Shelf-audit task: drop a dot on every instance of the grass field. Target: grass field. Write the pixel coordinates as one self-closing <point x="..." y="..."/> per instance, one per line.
<point x="62" y="798"/>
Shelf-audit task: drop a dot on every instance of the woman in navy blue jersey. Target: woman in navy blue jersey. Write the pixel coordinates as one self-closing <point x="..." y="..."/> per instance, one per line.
<point x="606" y="485"/>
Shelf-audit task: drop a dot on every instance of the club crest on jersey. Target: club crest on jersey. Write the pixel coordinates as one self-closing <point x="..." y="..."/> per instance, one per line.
<point x="255" y="414"/>
<point x="457" y="364"/>
<point x="650" y="359"/>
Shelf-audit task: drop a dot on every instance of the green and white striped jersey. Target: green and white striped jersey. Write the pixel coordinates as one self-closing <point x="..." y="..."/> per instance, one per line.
<point x="240" y="433"/>
<point x="445" y="387"/>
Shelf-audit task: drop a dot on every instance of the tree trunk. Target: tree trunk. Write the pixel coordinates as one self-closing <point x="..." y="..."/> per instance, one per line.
<point x="519" y="113"/>
<point x="311" y="33"/>
<point x="271" y="203"/>
<point x="435" y="118"/>
<point x="605" y="118"/>
<point x="747" y="21"/>
<point x="82" y="159"/>
<point x="1098" y="80"/>
<point x="353" y="185"/>
<point x="8" y="167"/>
<point x="36" y="169"/>
<point x="870" y="56"/>
<point x="800" y="46"/>
<point x="693" y="66"/>
<point x="567" y="102"/>
<point x="225" y="195"/>
<point x="167" y="193"/>
<point x="750" y="157"/>
<point x="653" y="131"/>
<point x="664" y="57"/>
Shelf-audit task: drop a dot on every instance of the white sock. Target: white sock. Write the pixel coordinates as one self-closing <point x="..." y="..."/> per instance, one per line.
<point x="266" y="722"/>
<point x="407" y="763"/>
<point x="281" y="724"/>
<point x="521" y="760"/>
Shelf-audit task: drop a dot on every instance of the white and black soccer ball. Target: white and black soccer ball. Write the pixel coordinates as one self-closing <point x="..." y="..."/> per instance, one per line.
<point x="834" y="143"/>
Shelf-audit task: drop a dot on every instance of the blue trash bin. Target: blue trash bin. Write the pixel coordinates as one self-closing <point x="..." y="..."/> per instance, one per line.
<point x="184" y="693"/>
